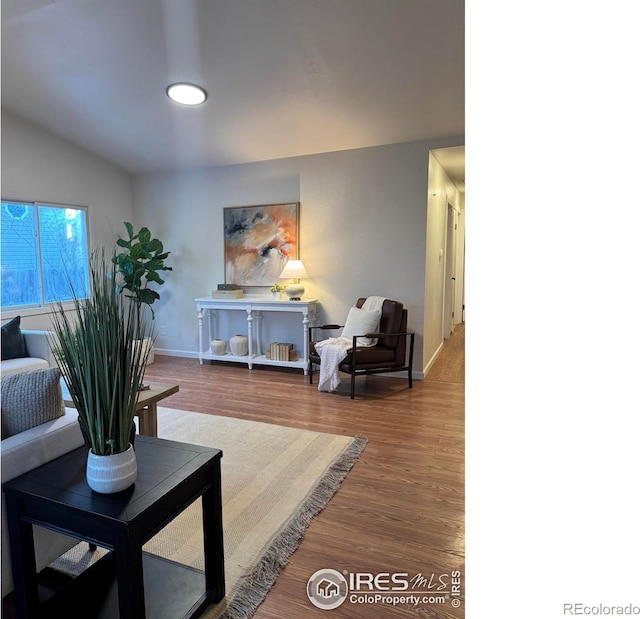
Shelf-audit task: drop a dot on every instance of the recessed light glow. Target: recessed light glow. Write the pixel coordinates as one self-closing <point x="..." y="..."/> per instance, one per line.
<point x="187" y="94"/>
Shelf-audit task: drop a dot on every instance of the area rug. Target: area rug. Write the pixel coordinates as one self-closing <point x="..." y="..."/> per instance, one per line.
<point x="274" y="481"/>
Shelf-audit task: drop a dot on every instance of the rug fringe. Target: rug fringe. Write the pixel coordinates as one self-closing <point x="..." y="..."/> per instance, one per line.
<point x="259" y="581"/>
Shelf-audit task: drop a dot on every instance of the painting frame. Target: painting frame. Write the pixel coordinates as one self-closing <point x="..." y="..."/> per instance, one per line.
<point x="258" y="241"/>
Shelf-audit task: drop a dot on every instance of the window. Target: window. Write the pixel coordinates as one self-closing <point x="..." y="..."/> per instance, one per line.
<point x="43" y="246"/>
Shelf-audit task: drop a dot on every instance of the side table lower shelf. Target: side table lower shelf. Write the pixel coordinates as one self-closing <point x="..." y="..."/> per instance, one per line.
<point x="171" y="590"/>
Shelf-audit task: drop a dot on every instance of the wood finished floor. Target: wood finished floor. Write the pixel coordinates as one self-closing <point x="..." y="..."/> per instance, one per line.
<point x="401" y="507"/>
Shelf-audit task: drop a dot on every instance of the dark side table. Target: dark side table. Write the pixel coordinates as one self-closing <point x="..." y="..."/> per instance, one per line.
<point x="127" y="582"/>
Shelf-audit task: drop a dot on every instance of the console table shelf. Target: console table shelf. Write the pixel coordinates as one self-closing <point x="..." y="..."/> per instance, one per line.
<point x="254" y="308"/>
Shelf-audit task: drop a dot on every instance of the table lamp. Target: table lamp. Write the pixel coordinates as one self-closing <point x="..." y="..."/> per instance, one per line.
<point x="294" y="269"/>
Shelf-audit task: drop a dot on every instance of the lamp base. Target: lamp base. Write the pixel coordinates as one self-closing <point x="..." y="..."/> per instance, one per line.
<point x="294" y="291"/>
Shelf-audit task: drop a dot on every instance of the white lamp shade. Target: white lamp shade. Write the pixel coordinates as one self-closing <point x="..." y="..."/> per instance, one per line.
<point x="294" y="269"/>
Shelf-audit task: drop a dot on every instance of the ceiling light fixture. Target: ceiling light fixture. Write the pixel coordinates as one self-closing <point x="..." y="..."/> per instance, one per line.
<point x="187" y="94"/>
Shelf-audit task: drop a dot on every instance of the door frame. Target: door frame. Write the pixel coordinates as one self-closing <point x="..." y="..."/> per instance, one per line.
<point x="450" y="272"/>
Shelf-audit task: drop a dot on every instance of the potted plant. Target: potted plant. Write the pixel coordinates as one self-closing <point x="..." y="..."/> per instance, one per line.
<point x="276" y="289"/>
<point x="93" y="343"/>
<point x="140" y="264"/>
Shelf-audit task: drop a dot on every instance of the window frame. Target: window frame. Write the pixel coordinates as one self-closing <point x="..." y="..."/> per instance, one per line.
<point x="44" y="307"/>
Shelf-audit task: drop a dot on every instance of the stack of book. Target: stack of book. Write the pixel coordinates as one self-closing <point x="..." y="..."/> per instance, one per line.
<point x="279" y="351"/>
<point x="227" y="291"/>
<point x="227" y="294"/>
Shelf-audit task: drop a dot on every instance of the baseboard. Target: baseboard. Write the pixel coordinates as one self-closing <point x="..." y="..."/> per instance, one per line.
<point x="415" y="374"/>
<point x="176" y="353"/>
<point x="433" y="359"/>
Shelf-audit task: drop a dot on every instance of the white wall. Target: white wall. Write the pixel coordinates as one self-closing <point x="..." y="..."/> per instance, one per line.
<point x="363" y="218"/>
<point x="39" y="166"/>
<point x="441" y="191"/>
<point x="460" y="259"/>
<point x="362" y="230"/>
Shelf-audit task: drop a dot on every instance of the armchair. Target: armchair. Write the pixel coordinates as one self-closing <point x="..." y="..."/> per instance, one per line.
<point x="389" y="354"/>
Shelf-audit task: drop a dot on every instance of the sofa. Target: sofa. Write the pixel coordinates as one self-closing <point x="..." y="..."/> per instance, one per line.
<point x="36" y="428"/>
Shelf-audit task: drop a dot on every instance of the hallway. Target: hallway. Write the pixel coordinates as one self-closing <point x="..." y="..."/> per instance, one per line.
<point x="449" y="366"/>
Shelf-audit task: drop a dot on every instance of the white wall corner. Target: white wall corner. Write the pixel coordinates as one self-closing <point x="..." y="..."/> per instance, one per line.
<point x="432" y="360"/>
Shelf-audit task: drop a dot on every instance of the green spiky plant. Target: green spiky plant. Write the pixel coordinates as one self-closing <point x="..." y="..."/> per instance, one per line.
<point x="140" y="264"/>
<point x="96" y="346"/>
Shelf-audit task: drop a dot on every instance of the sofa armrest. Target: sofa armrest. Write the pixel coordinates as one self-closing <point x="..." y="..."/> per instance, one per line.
<point x="26" y="450"/>
<point x="38" y="345"/>
<point x="23" y="452"/>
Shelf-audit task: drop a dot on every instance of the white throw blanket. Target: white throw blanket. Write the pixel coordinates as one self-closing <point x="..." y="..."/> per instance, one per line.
<point x="333" y="351"/>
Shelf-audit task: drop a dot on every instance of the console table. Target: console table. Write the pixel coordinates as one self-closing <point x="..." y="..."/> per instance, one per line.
<point x="254" y="308"/>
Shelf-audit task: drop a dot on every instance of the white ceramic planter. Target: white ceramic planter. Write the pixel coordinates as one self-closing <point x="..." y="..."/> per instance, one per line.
<point x="218" y="347"/>
<point x="109" y="474"/>
<point x="239" y="345"/>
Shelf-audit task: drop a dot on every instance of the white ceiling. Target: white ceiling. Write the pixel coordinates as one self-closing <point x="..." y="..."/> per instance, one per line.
<point x="284" y="77"/>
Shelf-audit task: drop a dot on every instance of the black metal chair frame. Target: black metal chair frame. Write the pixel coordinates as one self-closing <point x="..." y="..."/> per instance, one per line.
<point x="353" y="369"/>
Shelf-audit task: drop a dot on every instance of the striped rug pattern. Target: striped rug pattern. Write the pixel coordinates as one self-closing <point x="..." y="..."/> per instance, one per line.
<point x="274" y="481"/>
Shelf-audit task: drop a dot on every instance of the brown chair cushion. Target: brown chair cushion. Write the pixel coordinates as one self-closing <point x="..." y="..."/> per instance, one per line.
<point x="365" y="355"/>
<point x="373" y="356"/>
<point x="390" y="320"/>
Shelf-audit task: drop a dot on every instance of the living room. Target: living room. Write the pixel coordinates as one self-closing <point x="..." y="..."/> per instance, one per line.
<point x="350" y="202"/>
<point x="372" y="221"/>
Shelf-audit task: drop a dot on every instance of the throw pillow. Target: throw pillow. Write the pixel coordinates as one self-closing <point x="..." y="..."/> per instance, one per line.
<point x="30" y="399"/>
<point x="13" y="345"/>
<point x="360" y="322"/>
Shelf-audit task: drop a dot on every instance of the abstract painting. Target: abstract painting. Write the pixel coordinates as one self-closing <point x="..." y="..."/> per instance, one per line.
<point x="258" y="241"/>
